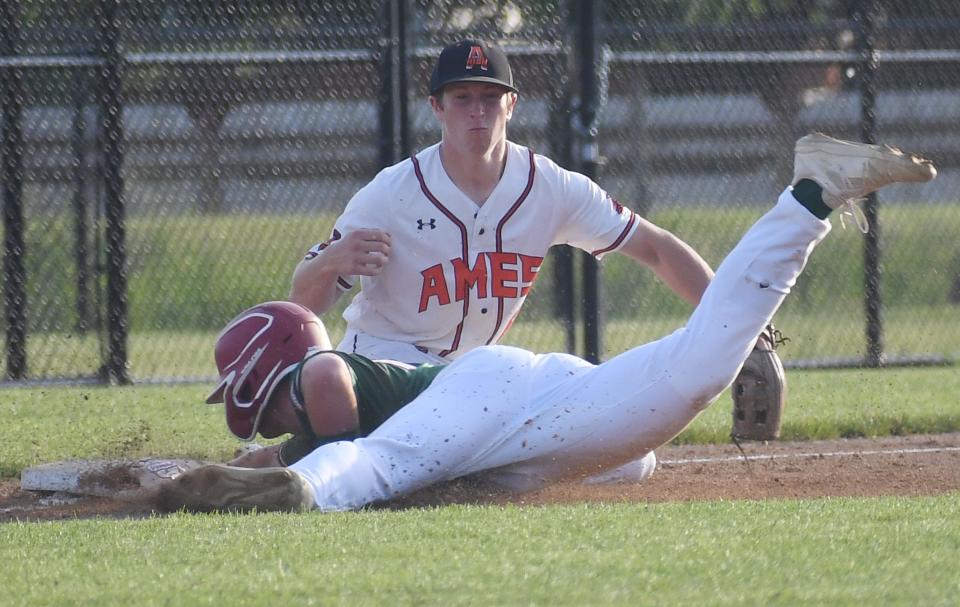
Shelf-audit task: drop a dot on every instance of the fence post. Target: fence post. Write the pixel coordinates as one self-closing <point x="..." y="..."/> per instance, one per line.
<point x="80" y="227"/>
<point x="589" y="157"/>
<point x="560" y="137"/>
<point x="403" y="80"/>
<point x="112" y="116"/>
<point x="394" y="119"/>
<point x="14" y="272"/>
<point x="872" y="268"/>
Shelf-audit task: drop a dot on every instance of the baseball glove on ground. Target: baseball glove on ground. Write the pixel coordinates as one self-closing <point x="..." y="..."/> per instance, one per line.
<point x="760" y="391"/>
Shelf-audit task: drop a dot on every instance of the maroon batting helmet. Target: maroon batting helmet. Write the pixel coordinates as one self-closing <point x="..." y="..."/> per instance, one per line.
<point x="255" y="351"/>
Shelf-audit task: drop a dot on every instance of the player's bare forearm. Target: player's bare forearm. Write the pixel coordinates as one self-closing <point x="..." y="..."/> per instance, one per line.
<point x="313" y="287"/>
<point x="362" y="252"/>
<point x="675" y="262"/>
<point x="683" y="270"/>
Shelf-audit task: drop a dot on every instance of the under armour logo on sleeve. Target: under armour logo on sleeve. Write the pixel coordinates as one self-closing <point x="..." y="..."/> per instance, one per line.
<point x="432" y="224"/>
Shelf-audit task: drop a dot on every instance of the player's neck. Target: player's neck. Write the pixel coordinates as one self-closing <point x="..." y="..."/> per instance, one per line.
<point x="475" y="174"/>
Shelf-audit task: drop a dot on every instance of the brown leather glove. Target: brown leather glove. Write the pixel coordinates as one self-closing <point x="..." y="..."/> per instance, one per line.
<point x="760" y="390"/>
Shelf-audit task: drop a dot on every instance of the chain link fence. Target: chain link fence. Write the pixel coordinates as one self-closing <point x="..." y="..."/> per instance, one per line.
<point x="166" y="164"/>
<point x="707" y="99"/>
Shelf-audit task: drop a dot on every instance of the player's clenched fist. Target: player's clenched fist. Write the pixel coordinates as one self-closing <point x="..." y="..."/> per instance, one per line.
<point x="362" y="252"/>
<point x="359" y="253"/>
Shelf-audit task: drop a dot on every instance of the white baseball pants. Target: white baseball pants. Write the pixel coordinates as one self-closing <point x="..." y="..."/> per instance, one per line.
<point x="527" y="419"/>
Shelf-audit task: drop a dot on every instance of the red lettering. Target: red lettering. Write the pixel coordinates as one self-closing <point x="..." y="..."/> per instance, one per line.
<point x="494" y="274"/>
<point x="476" y="58"/>
<point x="500" y="275"/>
<point x="529" y="267"/>
<point x="464" y="278"/>
<point x="434" y="285"/>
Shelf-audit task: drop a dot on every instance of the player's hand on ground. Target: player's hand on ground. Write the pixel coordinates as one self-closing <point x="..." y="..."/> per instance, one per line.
<point x="362" y="252"/>
<point x="246" y="448"/>
<point x="260" y="457"/>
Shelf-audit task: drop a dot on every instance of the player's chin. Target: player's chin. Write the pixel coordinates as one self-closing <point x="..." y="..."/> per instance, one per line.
<point x="479" y="141"/>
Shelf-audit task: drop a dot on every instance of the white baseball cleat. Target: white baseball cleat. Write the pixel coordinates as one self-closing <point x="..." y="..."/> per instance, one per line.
<point x="847" y="170"/>
<point x="229" y="488"/>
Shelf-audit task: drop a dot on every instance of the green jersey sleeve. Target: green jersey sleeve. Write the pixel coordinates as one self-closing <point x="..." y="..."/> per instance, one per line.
<point x="382" y="388"/>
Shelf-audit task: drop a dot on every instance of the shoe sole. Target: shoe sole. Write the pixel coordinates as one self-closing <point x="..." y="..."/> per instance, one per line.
<point x="216" y="487"/>
<point x="907" y="167"/>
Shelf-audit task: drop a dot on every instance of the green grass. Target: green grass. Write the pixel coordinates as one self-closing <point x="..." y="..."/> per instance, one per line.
<point x="46" y="424"/>
<point x="850" y="403"/>
<point x="891" y="551"/>
<point x="879" y="551"/>
<point x="53" y="423"/>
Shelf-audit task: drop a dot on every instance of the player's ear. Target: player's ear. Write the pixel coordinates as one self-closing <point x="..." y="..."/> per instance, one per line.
<point x="511" y="104"/>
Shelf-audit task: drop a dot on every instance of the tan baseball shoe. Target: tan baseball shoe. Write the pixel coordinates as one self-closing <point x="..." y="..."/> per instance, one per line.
<point x="218" y="487"/>
<point x="847" y="171"/>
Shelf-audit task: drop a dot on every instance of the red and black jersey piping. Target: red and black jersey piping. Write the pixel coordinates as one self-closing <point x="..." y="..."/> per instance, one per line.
<point x="623" y="234"/>
<point x="464" y="242"/>
<point x="503" y="221"/>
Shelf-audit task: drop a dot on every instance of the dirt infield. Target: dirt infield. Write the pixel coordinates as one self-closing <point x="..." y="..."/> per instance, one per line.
<point x="909" y="466"/>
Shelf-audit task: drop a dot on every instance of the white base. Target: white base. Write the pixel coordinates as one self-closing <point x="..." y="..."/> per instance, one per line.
<point x="103" y="478"/>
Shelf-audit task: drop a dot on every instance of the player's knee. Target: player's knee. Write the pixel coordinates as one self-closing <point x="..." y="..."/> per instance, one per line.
<point x="711" y="378"/>
<point x="700" y="392"/>
<point x="703" y="401"/>
<point x="700" y="374"/>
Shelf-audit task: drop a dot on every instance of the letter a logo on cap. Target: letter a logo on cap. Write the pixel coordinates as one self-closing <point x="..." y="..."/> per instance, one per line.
<point x="476" y="58"/>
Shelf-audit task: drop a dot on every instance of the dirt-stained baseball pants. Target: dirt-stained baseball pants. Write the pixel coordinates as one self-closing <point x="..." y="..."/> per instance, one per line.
<point x="528" y="419"/>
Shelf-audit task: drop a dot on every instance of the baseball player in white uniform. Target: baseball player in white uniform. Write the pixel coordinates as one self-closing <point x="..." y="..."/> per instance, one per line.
<point x="464" y="270"/>
<point x="446" y="245"/>
<point x="519" y="418"/>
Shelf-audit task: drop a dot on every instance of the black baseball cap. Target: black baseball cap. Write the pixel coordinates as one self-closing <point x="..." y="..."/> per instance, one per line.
<point x="471" y="61"/>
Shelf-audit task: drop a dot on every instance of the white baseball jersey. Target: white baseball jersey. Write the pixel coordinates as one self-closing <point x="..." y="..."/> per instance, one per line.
<point x="525" y="419"/>
<point x="459" y="272"/>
